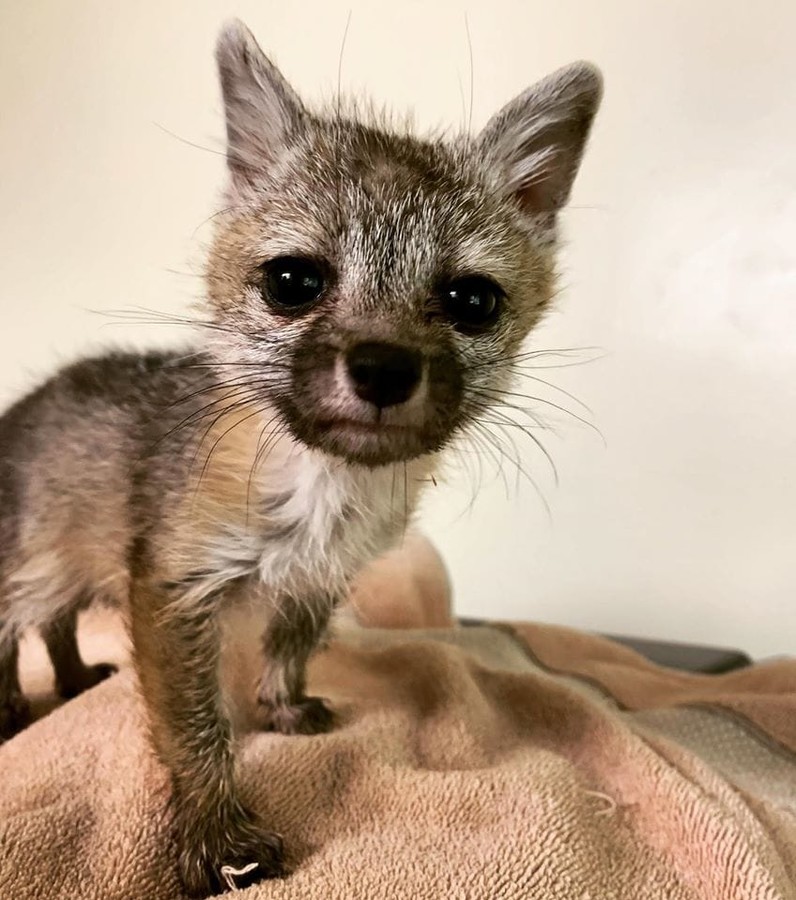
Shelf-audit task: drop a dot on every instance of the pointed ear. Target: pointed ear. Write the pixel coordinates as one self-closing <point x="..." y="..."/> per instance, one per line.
<point x="262" y="110"/>
<point x="537" y="139"/>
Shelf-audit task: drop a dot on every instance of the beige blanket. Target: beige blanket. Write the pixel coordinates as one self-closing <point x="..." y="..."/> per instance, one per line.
<point x="477" y="763"/>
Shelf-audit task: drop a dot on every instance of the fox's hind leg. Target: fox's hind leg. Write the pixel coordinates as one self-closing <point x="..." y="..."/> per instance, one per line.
<point x="14" y="709"/>
<point x="72" y="675"/>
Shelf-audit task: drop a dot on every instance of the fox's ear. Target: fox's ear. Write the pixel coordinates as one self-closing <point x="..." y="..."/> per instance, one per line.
<point x="262" y="111"/>
<point x="537" y="140"/>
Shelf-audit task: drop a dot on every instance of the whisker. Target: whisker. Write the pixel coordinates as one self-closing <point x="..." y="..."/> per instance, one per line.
<point x="338" y="122"/>
<point x="242" y="401"/>
<point x="271" y="441"/>
<point x="233" y="408"/>
<point x="487" y="442"/>
<point x="258" y="459"/>
<point x="492" y="442"/>
<point x="179" y="273"/>
<point x="136" y="316"/>
<point x="505" y="421"/>
<point x="533" y="417"/>
<point x="571" y="365"/>
<point x="472" y="76"/>
<point x="518" y="465"/>
<point x="487" y="394"/>
<point x="534" y="354"/>
<point x="406" y="499"/>
<point x="216" y="385"/>
<point x="481" y="446"/>
<point x="464" y="104"/>
<point x="392" y="491"/>
<point x="252" y="468"/>
<point x="183" y="140"/>
<point x="215" y="215"/>
<point x="554" y="387"/>
<point x="258" y="411"/>
<point x="265" y="364"/>
<point x="482" y="400"/>
<point x="198" y="415"/>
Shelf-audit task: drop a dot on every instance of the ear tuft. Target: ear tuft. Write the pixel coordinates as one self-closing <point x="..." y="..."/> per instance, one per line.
<point x="262" y="110"/>
<point x="537" y="140"/>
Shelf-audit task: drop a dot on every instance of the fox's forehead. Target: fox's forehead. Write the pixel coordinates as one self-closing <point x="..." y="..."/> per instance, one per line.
<point x="390" y="206"/>
<point x="334" y="185"/>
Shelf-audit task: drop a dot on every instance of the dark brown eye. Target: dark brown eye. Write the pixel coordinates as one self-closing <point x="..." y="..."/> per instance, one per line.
<point x="472" y="303"/>
<point x="291" y="282"/>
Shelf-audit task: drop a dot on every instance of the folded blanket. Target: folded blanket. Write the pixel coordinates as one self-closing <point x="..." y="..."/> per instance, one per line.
<point x="488" y="762"/>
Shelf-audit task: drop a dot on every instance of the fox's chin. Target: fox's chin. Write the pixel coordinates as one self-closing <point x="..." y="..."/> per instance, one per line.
<point x="370" y="444"/>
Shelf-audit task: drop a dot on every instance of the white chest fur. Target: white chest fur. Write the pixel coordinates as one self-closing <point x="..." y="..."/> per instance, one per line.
<point x="317" y="521"/>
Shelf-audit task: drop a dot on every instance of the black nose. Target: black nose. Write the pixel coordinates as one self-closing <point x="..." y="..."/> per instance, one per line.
<point x="384" y="374"/>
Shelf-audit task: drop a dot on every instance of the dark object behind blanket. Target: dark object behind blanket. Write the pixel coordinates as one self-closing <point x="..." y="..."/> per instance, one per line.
<point x="687" y="657"/>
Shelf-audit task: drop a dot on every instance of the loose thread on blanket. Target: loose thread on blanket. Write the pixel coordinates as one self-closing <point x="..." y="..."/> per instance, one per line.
<point x="230" y="873"/>
<point x="610" y="804"/>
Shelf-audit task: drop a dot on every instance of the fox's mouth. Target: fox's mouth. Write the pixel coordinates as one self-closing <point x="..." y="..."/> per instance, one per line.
<point x="369" y="443"/>
<point x="357" y="426"/>
<point x="366" y="443"/>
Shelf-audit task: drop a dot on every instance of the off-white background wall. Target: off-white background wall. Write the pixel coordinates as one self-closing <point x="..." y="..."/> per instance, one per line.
<point x="681" y="264"/>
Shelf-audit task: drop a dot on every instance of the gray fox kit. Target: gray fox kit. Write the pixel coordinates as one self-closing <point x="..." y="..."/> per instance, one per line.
<point x="368" y="292"/>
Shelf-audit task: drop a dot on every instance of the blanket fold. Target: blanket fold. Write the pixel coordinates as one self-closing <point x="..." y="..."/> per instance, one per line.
<point x="520" y="761"/>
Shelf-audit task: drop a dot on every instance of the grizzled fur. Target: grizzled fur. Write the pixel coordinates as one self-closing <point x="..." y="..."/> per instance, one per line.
<point x="249" y="469"/>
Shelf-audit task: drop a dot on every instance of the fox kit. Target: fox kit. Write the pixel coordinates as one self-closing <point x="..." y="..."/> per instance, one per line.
<point x="367" y="294"/>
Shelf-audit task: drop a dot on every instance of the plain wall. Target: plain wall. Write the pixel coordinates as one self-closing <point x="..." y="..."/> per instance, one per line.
<point x="680" y="263"/>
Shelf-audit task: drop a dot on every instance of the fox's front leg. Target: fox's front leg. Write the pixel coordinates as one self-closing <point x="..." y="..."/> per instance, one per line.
<point x="293" y="632"/>
<point x="176" y="649"/>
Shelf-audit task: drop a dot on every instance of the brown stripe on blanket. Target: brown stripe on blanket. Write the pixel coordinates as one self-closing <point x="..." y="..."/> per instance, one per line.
<point x="764" y="694"/>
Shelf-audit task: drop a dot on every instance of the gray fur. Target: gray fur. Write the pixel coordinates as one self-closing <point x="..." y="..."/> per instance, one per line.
<point x="263" y="111"/>
<point x="248" y="470"/>
<point x="537" y="140"/>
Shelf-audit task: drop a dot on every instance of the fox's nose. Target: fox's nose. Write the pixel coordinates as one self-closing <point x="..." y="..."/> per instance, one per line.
<point x="384" y="374"/>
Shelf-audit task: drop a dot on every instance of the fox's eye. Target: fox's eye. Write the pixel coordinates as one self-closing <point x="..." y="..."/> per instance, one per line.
<point x="471" y="303"/>
<point x="292" y="282"/>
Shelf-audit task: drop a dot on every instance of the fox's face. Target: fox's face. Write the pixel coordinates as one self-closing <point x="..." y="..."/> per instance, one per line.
<point x="372" y="288"/>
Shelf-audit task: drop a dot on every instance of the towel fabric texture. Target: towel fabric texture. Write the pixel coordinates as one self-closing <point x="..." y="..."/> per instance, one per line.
<point x="498" y="761"/>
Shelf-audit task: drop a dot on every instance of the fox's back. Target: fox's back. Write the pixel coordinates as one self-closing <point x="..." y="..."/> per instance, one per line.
<point x="69" y="456"/>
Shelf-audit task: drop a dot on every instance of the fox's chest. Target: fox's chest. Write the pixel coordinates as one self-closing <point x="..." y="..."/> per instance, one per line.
<point x="312" y="528"/>
<point x="319" y="542"/>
